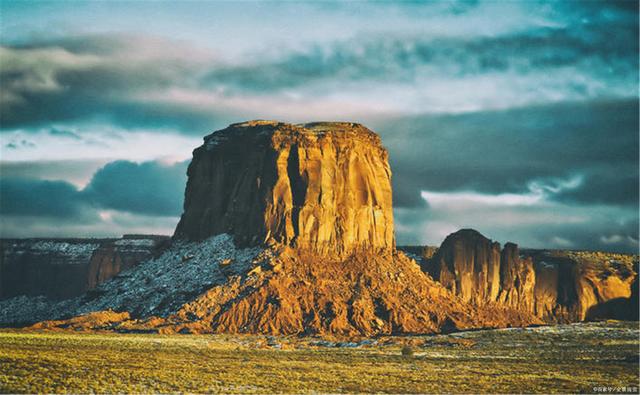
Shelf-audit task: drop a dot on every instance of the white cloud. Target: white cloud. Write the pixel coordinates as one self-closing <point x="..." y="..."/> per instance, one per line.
<point x="561" y="242"/>
<point x="98" y="143"/>
<point x="539" y="191"/>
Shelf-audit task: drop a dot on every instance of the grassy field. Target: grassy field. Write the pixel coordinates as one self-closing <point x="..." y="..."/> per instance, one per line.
<point x="573" y="358"/>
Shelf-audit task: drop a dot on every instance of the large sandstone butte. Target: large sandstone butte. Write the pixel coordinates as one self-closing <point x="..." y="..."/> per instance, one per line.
<point x="318" y="194"/>
<point x="323" y="187"/>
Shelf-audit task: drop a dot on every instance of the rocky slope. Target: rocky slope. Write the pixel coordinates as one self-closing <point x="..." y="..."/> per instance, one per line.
<point x="63" y="268"/>
<point x="277" y="290"/>
<point x="556" y="286"/>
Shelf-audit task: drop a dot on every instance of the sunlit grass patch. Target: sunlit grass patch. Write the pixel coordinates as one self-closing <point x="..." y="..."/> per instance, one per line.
<point x="528" y="360"/>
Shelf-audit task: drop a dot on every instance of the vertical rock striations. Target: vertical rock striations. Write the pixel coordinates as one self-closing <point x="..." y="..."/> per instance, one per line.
<point x="323" y="187"/>
<point x="468" y="264"/>
<point x="517" y="279"/>
<point x="555" y="286"/>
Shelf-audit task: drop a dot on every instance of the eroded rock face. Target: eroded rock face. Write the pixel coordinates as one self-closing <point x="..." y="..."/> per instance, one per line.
<point x="582" y="286"/>
<point x="555" y="286"/>
<point x="288" y="229"/>
<point x="322" y="187"/>
<point x="468" y="264"/>
<point x="517" y="279"/>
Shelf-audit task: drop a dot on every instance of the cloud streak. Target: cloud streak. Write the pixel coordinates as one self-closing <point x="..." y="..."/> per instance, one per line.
<point x="148" y="81"/>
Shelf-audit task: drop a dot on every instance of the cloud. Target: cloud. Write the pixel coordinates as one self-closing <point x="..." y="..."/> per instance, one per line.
<point x="89" y="77"/>
<point x="509" y="151"/>
<point x="122" y="197"/>
<point x="64" y="133"/>
<point x="95" y="143"/>
<point x="116" y="225"/>
<point x="542" y="55"/>
<point x="19" y="144"/>
<point x="545" y="224"/>
<point x="53" y="199"/>
<point x="76" y="172"/>
<point x="149" y="188"/>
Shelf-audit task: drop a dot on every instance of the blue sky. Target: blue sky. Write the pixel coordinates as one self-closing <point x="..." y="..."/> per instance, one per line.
<point x="517" y="118"/>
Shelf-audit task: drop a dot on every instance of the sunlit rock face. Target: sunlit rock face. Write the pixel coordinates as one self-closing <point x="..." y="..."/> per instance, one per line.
<point x="468" y="264"/>
<point x="517" y="279"/>
<point x="323" y="187"/>
<point x="555" y="286"/>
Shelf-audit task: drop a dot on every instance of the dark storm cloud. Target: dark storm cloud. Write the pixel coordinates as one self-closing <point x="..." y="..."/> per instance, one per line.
<point x="147" y="188"/>
<point x="31" y="197"/>
<point x="98" y="78"/>
<point x="507" y="151"/>
<point x="75" y="171"/>
<point x="603" y="228"/>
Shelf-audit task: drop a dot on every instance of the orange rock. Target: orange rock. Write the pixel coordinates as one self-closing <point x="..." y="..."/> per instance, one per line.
<point x="324" y="187"/>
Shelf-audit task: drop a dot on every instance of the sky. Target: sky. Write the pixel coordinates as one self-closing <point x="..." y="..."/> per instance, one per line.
<point x="515" y="118"/>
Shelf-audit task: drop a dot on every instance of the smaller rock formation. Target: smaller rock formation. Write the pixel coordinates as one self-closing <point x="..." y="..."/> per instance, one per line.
<point x="556" y="286"/>
<point x="468" y="264"/>
<point x="576" y="286"/>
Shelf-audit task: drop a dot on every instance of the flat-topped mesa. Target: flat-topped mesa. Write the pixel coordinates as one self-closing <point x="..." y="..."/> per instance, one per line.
<point x="324" y="187"/>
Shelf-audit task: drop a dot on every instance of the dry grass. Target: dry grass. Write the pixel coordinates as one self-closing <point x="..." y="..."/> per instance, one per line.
<point x="553" y="360"/>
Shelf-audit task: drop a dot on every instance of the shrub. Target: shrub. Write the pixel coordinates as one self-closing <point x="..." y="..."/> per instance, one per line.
<point x="407" y="351"/>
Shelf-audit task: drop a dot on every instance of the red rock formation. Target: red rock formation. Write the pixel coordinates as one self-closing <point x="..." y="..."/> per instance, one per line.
<point x="324" y="187"/>
<point x="581" y="286"/>
<point x="317" y="199"/>
<point x="468" y="264"/>
<point x="556" y="287"/>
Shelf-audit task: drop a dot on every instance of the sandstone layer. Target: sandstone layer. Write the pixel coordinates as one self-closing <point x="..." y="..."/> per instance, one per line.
<point x="324" y="187"/>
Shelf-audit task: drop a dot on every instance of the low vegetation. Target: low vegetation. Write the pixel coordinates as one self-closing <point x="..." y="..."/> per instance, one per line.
<point x="570" y="358"/>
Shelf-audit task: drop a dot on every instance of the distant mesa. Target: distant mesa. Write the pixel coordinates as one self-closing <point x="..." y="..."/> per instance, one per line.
<point x="288" y="229"/>
<point x="64" y="268"/>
